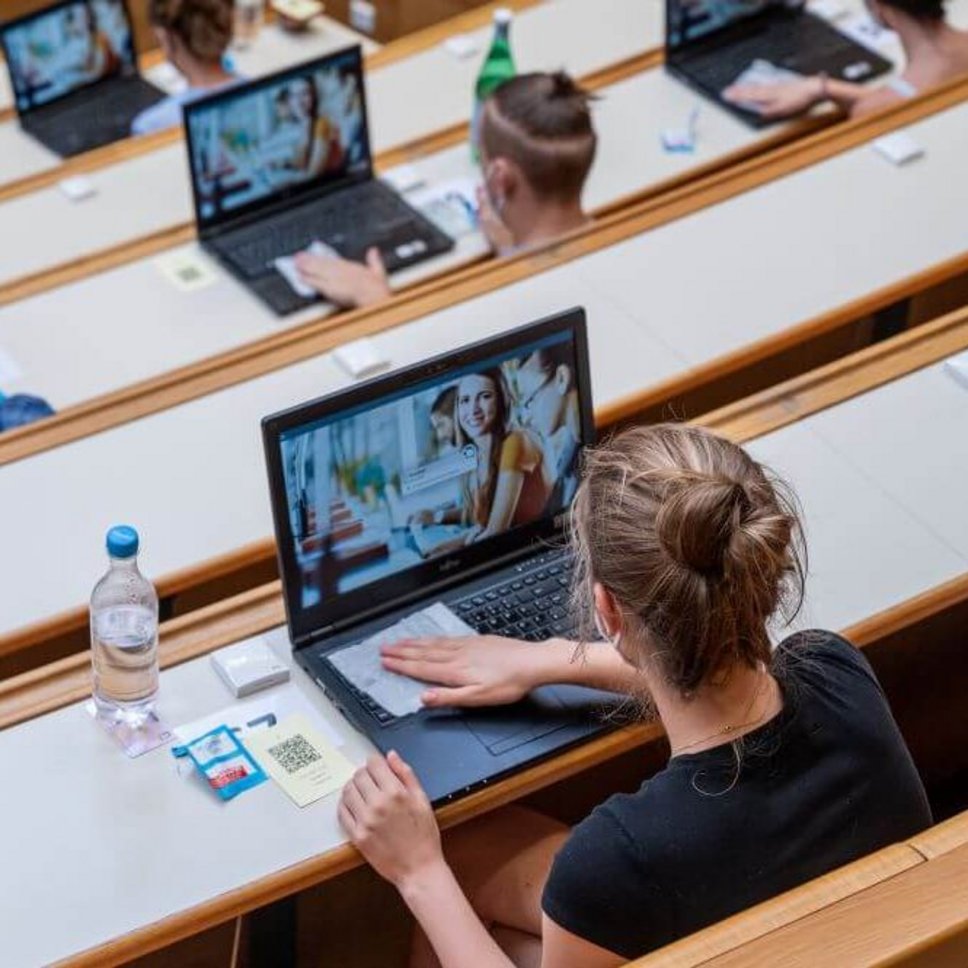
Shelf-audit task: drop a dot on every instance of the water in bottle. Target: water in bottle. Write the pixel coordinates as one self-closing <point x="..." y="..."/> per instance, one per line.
<point x="124" y="634"/>
<point x="497" y="68"/>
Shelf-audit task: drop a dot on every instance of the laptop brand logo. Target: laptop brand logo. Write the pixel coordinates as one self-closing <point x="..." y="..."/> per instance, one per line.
<point x="449" y="565"/>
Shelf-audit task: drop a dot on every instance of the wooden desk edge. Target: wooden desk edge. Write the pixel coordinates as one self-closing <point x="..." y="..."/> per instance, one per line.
<point x="293" y="345"/>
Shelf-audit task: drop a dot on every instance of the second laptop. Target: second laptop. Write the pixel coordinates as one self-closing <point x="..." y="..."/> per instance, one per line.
<point x="282" y="162"/>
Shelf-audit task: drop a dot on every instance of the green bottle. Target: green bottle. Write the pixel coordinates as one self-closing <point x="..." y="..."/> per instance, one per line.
<point x="497" y="68"/>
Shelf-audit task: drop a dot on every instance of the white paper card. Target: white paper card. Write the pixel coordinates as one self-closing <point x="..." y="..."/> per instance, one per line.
<point x="257" y="713"/>
<point x="186" y="270"/>
<point x="77" y="188"/>
<point x="462" y="46"/>
<point x="828" y="9"/>
<point x="361" y="665"/>
<point x="403" y="178"/>
<point x="10" y="371"/>
<point x="957" y="367"/>
<point x="286" y="266"/>
<point x="898" y="148"/>
<point x="863" y="28"/>
<point x="360" y="358"/>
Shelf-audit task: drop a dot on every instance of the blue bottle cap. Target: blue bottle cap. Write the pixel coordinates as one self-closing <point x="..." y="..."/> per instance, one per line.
<point x="122" y="541"/>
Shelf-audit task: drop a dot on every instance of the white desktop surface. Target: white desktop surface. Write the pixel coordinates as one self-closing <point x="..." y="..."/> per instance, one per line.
<point x="198" y="488"/>
<point x="38" y="331"/>
<point x="876" y="432"/>
<point x="866" y="550"/>
<point x="138" y="836"/>
<point x="796" y="247"/>
<point x="114" y="844"/>
<point x="667" y="325"/>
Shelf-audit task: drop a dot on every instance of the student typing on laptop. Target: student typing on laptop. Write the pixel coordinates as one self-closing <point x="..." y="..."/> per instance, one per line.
<point x="785" y="763"/>
<point x="193" y="35"/>
<point x="934" y="50"/>
<point x="537" y="148"/>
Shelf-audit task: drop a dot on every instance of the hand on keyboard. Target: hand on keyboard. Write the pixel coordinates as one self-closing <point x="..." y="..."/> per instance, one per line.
<point x="346" y="283"/>
<point x="777" y="100"/>
<point x="485" y="670"/>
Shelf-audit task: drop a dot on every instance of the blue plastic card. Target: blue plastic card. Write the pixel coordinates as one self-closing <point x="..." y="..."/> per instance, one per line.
<point x="226" y="764"/>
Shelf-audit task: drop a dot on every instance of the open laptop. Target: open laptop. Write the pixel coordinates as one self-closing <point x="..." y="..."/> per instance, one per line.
<point x="373" y="501"/>
<point x="72" y="68"/>
<point x="711" y="43"/>
<point x="284" y="161"/>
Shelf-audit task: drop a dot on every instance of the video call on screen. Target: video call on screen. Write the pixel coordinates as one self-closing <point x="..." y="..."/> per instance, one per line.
<point x="306" y="127"/>
<point x="67" y="49"/>
<point x="429" y="471"/>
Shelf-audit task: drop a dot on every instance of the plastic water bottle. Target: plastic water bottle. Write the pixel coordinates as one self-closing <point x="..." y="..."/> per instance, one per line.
<point x="497" y="68"/>
<point x="124" y="633"/>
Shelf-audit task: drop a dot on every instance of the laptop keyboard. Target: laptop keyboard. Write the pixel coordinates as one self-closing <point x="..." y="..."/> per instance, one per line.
<point x="787" y="45"/>
<point x="531" y="604"/>
<point x="97" y="119"/>
<point x="347" y="221"/>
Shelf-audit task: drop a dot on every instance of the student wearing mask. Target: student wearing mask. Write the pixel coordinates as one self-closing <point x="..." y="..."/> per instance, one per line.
<point x="934" y="51"/>
<point x="786" y="763"/>
<point x="537" y="145"/>
<point x="193" y="35"/>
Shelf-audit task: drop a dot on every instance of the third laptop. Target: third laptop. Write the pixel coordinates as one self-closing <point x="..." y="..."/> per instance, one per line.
<point x="710" y="44"/>
<point x="283" y="162"/>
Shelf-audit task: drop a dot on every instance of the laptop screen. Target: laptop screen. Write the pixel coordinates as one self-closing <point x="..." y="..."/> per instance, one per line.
<point x="256" y="143"/>
<point x="384" y="490"/>
<point x="690" y="20"/>
<point x="65" y="48"/>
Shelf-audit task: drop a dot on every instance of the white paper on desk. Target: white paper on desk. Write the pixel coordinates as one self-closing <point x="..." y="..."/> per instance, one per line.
<point x="260" y="712"/>
<point x="766" y="73"/>
<point x="863" y="28"/>
<point x="462" y="46"/>
<point x="186" y="270"/>
<point x="10" y="371"/>
<point x="361" y="665"/>
<point x="957" y="368"/>
<point x="451" y="205"/>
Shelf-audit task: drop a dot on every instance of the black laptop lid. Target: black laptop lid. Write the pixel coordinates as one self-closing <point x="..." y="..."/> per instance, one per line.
<point x="383" y="491"/>
<point x="293" y="133"/>
<point x="66" y="47"/>
<point x="691" y="22"/>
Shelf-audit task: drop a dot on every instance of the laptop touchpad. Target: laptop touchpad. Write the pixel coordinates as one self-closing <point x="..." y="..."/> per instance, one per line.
<point x="504" y="729"/>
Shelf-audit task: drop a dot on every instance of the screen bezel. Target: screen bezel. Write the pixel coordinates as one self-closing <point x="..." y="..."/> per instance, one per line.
<point x="725" y="32"/>
<point x="129" y="62"/>
<point x="297" y="190"/>
<point x="307" y="625"/>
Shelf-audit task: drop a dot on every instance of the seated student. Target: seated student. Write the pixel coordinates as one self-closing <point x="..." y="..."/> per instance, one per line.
<point x="193" y="35"/>
<point x="935" y="52"/>
<point x="786" y="762"/>
<point x="537" y="145"/>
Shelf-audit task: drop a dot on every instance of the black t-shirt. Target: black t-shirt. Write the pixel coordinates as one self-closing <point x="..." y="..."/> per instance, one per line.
<point x="826" y="781"/>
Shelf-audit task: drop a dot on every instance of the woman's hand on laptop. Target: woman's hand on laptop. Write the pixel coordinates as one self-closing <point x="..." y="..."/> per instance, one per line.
<point x="777" y="100"/>
<point x="479" y="670"/>
<point x="346" y="283"/>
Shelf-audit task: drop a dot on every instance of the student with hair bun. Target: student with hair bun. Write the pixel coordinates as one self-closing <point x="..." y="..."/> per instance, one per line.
<point x="785" y="761"/>
<point x="935" y="52"/>
<point x="537" y="145"/>
<point x="193" y="35"/>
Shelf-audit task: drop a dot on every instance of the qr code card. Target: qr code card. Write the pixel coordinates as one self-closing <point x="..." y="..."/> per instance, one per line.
<point x="300" y="760"/>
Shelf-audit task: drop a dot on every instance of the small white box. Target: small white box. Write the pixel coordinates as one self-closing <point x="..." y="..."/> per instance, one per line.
<point x="898" y="148"/>
<point x="249" y="666"/>
<point x="360" y="358"/>
<point x="77" y="188"/>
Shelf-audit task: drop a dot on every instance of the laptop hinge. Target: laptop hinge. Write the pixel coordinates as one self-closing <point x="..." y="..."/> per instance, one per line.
<point x="444" y="585"/>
